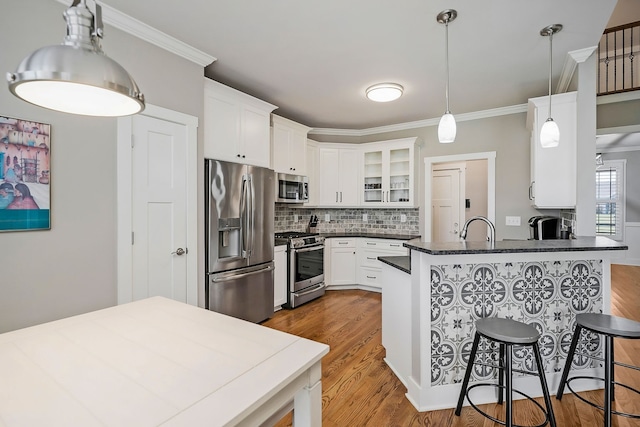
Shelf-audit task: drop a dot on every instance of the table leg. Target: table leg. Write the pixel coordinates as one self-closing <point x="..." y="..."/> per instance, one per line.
<point x="307" y="404"/>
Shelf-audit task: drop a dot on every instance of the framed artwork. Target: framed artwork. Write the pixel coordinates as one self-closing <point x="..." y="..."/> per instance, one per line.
<point x="25" y="175"/>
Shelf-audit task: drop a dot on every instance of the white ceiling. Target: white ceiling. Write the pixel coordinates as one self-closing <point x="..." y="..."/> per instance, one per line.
<point x="314" y="59"/>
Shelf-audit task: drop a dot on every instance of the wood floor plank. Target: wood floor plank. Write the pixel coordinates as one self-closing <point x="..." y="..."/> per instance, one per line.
<point x="359" y="389"/>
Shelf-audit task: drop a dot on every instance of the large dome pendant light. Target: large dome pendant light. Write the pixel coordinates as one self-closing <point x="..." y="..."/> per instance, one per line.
<point x="447" y="125"/>
<point x="550" y="133"/>
<point x="77" y="77"/>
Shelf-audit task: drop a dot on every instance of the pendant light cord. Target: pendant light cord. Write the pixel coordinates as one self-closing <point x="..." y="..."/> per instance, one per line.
<point x="550" y="67"/>
<point x="446" y="55"/>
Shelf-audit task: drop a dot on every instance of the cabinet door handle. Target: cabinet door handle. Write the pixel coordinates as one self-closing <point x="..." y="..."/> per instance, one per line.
<point x="343" y="243"/>
<point x="394" y="246"/>
<point x="531" y="189"/>
<point x="371" y="243"/>
<point x="371" y="258"/>
<point x="371" y="277"/>
<point x="341" y="197"/>
<point x="336" y="197"/>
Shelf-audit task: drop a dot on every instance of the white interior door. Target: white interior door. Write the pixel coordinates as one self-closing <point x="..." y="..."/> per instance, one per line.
<point x="446" y="210"/>
<point x="159" y="209"/>
<point x="157" y="205"/>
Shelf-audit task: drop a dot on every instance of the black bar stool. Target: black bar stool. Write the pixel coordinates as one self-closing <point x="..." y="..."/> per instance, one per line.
<point x="507" y="333"/>
<point x="609" y="327"/>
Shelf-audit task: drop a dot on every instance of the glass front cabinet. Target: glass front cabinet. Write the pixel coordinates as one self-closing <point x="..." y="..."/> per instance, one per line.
<point x="388" y="177"/>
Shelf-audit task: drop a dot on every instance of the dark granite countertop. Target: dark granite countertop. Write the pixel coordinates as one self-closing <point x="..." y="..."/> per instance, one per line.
<point x="370" y="235"/>
<point x="402" y="263"/>
<point x="517" y="246"/>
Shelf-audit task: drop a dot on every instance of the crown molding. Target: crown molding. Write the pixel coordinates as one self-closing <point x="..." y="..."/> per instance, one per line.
<point x="571" y="62"/>
<point x="145" y="32"/>
<point x="494" y="112"/>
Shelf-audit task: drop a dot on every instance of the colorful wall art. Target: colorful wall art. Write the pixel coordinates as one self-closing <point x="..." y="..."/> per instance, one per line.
<point x="25" y="175"/>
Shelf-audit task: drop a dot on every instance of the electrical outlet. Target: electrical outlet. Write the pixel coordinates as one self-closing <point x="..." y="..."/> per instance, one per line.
<point x="327" y="217"/>
<point x="295" y="218"/>
<point x="403" y="218"/>
<point x="365" y="218"/>
<point x="513" y="221"/>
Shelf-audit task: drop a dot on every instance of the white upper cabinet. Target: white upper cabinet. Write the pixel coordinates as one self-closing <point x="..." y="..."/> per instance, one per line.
<point x="236" y="126"/>
<point x="289" y="140"/>
<point x="388" y="174"/>
<point x="553" y="170"/>
<point x="338" y="175"/>
<point x="375" y="174"/>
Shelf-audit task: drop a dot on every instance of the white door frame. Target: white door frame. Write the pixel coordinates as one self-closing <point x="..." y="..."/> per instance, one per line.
<point x="124" y="194"/>
<point x="489" y="156"/>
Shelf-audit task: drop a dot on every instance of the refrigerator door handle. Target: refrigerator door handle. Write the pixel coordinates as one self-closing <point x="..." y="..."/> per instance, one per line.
<point x="252" y="213"/>
<point x="244" y="209"/>
<point x="225" y="277"/>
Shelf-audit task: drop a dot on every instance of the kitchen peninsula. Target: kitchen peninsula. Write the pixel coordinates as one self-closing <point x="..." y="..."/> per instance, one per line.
<point x="428" y="315"/>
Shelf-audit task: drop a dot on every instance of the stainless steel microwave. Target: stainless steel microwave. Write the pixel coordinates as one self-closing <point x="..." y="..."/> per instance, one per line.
<point x="292" y="188"/>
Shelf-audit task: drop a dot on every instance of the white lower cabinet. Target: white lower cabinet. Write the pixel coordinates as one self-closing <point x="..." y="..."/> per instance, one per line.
<point x="343" y="262"/>
<point x="279" y="276"/>
<point x="369" y="267"/>
<point x="353" y="262"/>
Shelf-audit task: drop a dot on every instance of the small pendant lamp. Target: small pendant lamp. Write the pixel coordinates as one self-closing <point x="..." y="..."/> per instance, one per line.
<point x="76" y="76"/>
<point x="550" y="133"/>
<point x="447" y="125"/>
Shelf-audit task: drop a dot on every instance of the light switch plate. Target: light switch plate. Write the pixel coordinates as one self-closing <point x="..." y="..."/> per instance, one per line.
<point x="365" y="218"/>
<point x="295" y="217"/>
<point x="403" y="218"/>
<point x="327" y="217"/>
<point x="513" y="221"/>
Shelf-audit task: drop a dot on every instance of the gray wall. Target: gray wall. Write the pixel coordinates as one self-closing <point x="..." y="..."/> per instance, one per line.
<point x="475" y="189"/>
<point x="71" y="268"/>
<point x="618" y="114"/>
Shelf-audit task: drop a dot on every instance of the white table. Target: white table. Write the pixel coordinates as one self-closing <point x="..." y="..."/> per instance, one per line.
<point x="157" y="362"/>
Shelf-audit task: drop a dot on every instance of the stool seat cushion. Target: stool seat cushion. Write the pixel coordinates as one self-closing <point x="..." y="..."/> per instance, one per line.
<point x="609" y="325"/>
<point x="507" y="330"/>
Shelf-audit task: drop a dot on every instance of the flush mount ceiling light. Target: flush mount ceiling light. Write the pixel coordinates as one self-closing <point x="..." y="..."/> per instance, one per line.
<point x="447" y="125"/>
<point x="384" y="92"/>
<point x="77" y="77"/>
<point x="550" y="133"/>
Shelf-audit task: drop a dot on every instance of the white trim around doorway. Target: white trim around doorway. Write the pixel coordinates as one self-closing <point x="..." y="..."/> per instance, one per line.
<point x="490" y="156"/>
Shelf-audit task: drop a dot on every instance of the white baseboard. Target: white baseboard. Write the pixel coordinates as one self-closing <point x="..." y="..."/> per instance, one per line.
<point x="355" y="286"/>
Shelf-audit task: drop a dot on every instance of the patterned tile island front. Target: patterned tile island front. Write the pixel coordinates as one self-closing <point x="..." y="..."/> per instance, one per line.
<point x="540" y="283"/>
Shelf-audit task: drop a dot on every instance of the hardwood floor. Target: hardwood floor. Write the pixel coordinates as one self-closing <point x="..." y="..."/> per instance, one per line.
<point x="359" y="389"/>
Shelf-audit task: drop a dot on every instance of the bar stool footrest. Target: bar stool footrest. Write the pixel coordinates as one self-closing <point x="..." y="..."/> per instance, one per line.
<point x="595" y="405"/>
<point x="502" y="389"/>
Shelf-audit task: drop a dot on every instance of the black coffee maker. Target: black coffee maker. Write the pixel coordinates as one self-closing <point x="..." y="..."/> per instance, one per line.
<point x="544" y="227"/>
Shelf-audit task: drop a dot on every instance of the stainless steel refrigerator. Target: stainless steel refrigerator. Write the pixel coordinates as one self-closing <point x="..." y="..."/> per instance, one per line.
<point x="239" y="209"/>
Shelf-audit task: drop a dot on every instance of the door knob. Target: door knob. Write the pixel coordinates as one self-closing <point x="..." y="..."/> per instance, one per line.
<point x="180" y="251"/>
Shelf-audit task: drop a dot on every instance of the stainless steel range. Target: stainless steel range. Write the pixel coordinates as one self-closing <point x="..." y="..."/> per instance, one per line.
<point x="305" y="266"/>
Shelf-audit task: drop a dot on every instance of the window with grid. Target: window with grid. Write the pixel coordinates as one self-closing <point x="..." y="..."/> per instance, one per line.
<point x="610" y="199"/>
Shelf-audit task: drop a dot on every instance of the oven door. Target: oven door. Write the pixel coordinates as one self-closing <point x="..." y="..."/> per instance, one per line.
<point x="307" y="267"/>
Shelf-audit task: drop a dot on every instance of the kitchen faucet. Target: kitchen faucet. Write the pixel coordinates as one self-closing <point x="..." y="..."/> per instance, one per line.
<point x="492" y="228"/>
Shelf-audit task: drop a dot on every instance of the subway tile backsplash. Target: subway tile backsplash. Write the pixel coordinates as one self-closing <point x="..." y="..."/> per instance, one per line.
<point x="383" y="221"/>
